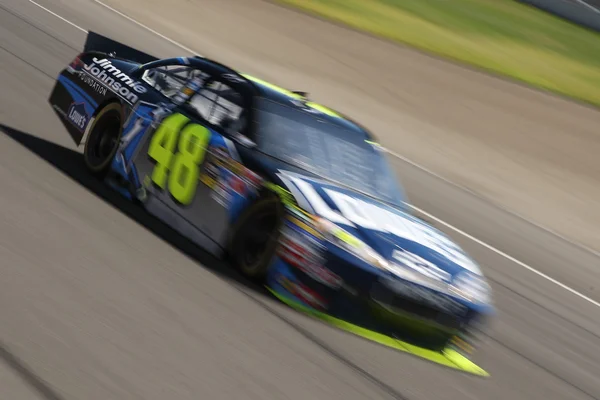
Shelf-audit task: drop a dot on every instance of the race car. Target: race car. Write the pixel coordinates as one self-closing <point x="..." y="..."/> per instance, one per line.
<point x="296" y="195"/>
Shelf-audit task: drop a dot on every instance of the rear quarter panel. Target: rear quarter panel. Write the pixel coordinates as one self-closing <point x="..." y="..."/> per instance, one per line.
<point x="89" y="82"/>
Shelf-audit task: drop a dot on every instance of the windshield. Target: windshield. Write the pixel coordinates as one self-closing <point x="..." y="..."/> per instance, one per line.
<point x="298" y="138"/>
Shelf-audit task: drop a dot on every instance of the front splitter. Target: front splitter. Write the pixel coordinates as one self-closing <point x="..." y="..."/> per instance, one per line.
<point x="449" y="358"/>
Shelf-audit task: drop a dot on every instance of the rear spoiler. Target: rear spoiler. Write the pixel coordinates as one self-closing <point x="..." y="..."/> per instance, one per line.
<point x="101" y="44"/>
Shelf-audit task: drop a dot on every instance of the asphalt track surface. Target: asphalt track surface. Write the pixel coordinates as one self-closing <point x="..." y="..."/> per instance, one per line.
<point x="98" y="301"/>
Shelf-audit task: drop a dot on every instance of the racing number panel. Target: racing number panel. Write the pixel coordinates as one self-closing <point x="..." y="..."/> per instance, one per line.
<point x="171" y="163"/>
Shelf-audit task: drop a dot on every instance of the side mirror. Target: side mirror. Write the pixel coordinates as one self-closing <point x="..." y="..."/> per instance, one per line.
<point x="424" y="219"/>
<point x="301" y="93"/>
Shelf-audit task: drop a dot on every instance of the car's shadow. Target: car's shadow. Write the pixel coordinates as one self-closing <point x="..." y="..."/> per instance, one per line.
<point x="71" y="164"/>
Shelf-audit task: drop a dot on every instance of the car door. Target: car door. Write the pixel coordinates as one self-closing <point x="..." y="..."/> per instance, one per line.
<point x="185" y="165"/>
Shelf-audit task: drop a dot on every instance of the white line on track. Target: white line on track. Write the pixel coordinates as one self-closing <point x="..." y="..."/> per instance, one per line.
<point x="57" y="16"/>
<point x="508" y="257"/>
<point x="147" y="28"/>
<point x="588" y="6"/>
<point x="438" y="220"/>
<point x="122" y="15"/>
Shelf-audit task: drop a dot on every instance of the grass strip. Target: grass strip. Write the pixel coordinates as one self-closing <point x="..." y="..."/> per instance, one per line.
<point x="501" y="36"/>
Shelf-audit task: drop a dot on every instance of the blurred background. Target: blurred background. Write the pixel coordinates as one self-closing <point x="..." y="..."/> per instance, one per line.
<point x="489" y="111"/>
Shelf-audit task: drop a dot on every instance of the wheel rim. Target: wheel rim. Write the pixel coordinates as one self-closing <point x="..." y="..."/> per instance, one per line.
<point x="104" y="141"/>
<point x="104" y="147"/>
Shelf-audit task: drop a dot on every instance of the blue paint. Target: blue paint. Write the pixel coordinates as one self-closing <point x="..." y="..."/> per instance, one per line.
<point x="79" y="95"/>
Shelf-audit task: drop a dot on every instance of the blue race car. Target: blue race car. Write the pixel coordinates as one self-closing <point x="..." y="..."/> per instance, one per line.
<point x="296" y="195"/>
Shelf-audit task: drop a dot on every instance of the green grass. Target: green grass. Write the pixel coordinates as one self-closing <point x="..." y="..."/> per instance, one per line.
<point x="502" y="36"/>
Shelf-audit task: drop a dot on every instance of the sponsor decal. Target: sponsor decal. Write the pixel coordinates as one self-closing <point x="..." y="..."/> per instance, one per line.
<point x="221" y="195"/>
<point x="299" y="231"/>
<point x="227" y="176"/>
<point x="305" y="294"/>
<point x="220" y="182"/>
<point x="304" y="226"/>
<point x="233" y="184"/>
<point x="78" y="116"/>
<point x="210" y="176"/>
<point x="420" y="265"/>
<point x="208" y="180"/>
<point x="115" y="79"/>
<point x="321" y="274"/>
<point x="425" y="296"/>
<point x="252" y="179"/>
<point x="307" y="255"/>
<point x="91" y="82"/>
<point x="212" y="170"/>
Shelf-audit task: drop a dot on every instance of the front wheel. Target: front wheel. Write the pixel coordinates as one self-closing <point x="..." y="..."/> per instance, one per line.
<point x="103" y="140"/>
<point x="255" y="237"/>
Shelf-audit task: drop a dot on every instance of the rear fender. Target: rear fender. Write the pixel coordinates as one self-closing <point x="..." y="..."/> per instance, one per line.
<point x="97" y="76"/>
<point x="77" y="97"/>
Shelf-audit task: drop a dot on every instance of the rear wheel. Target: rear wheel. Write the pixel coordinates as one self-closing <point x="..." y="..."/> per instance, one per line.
<point x="255" y="236"/>
<point x="103" y="140"/>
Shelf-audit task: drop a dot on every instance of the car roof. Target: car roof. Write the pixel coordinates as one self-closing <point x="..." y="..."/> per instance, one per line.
<point x="287" y="97"/>
<point x="276" y="93"/>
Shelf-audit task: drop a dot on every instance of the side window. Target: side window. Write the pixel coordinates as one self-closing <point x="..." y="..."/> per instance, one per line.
<point x="217" y="102"/>
<point x="220" y="105"/>
<point x="169" y="79"/>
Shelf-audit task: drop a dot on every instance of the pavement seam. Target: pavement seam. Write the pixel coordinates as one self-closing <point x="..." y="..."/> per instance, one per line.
<point x="33" y="25"/>
<point x="27" y="375"/>
<point x="541" y="367"/>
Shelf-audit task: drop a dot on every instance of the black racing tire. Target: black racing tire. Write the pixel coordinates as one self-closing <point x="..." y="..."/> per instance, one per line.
<point x="255" y="237"/>
<point x="103" y="140"/>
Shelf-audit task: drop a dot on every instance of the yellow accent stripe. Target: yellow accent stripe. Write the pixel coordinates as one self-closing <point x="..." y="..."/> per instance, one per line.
<point x="304" y="226"/>
<point x="449" y="358"/>
<point x="294" y="207"/>
<point x="347" y="238"/>
<point x="274" y="87"/>
<point x="289" y="93"/>
<point x="323" y="109"/>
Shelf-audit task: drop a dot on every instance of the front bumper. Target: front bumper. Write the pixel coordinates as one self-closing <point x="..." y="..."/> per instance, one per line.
<point x="448" y="357"/>
<point x="363" y="303"/>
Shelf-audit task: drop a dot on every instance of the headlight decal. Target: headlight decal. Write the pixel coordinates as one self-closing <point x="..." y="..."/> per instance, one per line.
<point x="418" y="293"/>
<point x="302" y="292"/>
<point x="470" y="287"/>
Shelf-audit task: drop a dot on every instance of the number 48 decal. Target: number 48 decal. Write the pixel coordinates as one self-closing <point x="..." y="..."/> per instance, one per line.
<point x="179" y="168"/>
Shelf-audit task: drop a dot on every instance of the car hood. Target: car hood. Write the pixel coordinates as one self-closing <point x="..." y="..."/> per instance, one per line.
<point x="394" y="234"/>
